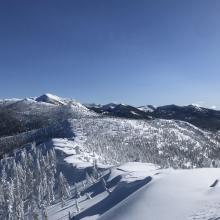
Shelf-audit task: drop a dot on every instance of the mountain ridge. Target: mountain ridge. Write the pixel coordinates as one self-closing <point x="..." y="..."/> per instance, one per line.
<point x="204" y="118"/>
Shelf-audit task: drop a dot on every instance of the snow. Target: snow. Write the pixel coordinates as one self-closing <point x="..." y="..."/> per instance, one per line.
<point x="112" y="105"/>
<point x="134" y="113"/>
<point x="115" y="141"/>
<point x="79" y="109"/>
<point x="122" y="181"/>
<point x="147" y="108"/>
<point x="138" y="190"/>
<point x="172" y="195"/>
<point x="77" y="155"/>
<point x="10" y="100"/>
<point x="144" y="191"/>
<point x="50" y="98"/>
<point x="133" y="170"/>
<point x="197" y="107"/>
<point x="5" y="102"/>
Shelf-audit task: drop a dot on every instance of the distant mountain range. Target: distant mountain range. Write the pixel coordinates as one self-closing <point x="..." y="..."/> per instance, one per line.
<point x="19" y="115"/>
<point x="201" y="117"/>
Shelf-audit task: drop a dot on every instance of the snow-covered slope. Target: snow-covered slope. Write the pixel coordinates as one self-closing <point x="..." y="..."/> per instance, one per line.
<point x="172" y="195"/>
<point x="145" y="192"/>
<point x="163" y="142"/>
<point x="147" y="108"/>
<point x="75" y="106"/>
<point x="121" y="181"/>
<point x="23" y="115"/>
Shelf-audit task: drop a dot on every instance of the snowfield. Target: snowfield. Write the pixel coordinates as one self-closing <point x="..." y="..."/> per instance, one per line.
<point x="172" y="195"/>
<point x="121" y="181"/>
<point x="144" y="191"/>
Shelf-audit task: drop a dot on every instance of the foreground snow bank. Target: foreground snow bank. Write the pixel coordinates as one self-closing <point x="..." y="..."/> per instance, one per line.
<point x="174" y="194"/>
<point x="132" y="171"/>
<point x="121" y="182"/>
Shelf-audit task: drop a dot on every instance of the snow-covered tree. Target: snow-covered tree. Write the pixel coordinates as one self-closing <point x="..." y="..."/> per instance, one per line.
<point x="89" y="181"/>
<point x="95" y="173"/>
<point x="104" y="185"/>
<point x="27" y="181"/>
<point x="77" y="205"/>
<point x="11" y="199"/>
<point x="44" y="215"/>
<point x="88" y="196"/>
<point x="76" y="191"/>
<point x="63" y="189"/>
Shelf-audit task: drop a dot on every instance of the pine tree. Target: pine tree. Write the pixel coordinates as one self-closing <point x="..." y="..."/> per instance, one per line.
<point x="88" y="179"/>
<point x="44" y="215"/>
<point x="77" y="192"/>
<point x="34" y="210"/>
<point x="95" y="173"/>
<point x="88" y="196"/>
<point x="77" y="206"/>
<point x="27" y="181"/>
<point x="63" y="188"/>
<point x="19" y="205"/>
<point x="104" y="185"/>
<point x="10" y="200"/>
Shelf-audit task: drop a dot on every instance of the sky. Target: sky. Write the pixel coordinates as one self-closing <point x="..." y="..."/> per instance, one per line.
<point x="130" y="51"/>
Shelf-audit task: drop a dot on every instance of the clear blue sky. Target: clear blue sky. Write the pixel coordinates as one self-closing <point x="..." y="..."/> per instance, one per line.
<point x="131" y="51"/>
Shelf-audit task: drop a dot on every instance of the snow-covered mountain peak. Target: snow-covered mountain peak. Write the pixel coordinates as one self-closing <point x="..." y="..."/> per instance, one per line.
<point x="147" y="108"/>
<point x="196" y="107"/>
<point x="51" y="96"/>
<point x="51" y="99"/>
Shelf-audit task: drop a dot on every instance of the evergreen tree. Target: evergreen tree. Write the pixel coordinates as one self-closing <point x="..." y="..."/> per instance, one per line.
<point x="11" y="200"/>
<point x="88" y="179"/>
<point x="104" y="185"/>
<point x="95" y="173"/>
<point x="88" y="196"/>
<point x="77" y="192"/>
<point x="27" y="182"/>
<point x="63" y="188"/>
<point x="77" y="206"/>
